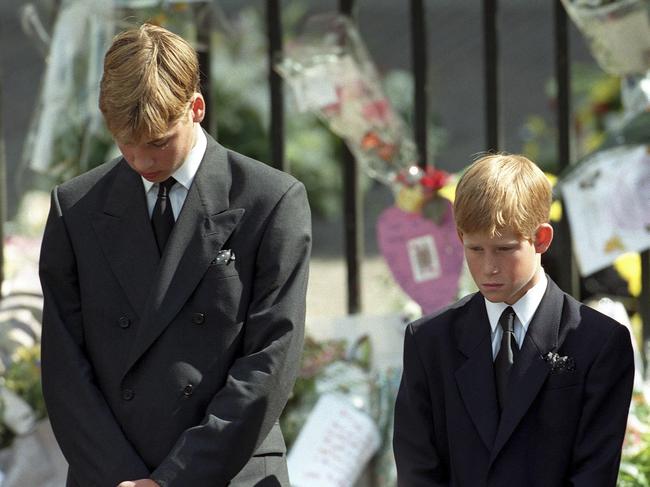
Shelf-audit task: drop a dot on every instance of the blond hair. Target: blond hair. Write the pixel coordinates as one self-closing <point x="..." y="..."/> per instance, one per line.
<point x="150" y="76"/>
<point x="502" y="192"/>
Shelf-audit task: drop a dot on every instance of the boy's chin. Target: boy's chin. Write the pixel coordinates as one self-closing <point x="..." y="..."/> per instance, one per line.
<point x="493" y="299"/>
<point x="497" y="296"/>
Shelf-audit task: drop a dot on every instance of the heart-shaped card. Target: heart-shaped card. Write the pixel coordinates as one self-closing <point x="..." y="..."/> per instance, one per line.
<point x="425" y="258"/>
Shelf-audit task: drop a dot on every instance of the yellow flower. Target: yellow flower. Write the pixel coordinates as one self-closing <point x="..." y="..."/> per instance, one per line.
<point x="629" y="267"/>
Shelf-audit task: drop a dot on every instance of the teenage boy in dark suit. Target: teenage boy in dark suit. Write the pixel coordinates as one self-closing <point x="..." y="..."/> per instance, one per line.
<point x="174" y="280"/>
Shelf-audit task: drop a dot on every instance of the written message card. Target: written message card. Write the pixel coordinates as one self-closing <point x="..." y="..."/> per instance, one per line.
<point x="608" y="204"/>
<point x="334" y="446"/>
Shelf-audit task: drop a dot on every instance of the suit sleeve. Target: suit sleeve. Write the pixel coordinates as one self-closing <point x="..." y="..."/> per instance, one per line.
<point x="90" y="438"/>
<point x="608" y="391"/>
<point x="418" y="462"/>
<point x="258" y="385"/>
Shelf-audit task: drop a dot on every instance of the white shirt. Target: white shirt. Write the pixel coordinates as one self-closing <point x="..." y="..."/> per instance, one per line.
<point x="184" y="176"/>
<point x="524" y="309"/>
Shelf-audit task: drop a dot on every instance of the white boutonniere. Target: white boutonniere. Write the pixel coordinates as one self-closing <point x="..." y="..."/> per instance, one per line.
<point x="559" y="363"/>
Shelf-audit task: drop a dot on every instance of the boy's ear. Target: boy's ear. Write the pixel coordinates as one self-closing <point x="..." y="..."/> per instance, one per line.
<point x="543" y="238"/>
<point x="198" y="108"/>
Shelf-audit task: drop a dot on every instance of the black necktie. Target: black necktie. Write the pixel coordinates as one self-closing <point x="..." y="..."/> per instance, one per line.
<point x="162" y="218"/>
<point x="507" y="354"/>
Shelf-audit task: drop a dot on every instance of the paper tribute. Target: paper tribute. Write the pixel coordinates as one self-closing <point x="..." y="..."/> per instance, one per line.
<point x="618" y="34"/>
<point x="425" y="258"/>
<point x="334" y="446"/>
<point x="425" y="263"/>
<point x="608" y="205"/>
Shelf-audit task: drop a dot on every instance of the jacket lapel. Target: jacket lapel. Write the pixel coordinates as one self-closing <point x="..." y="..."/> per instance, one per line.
<point x="203" y="226"/>
<point x="475" y="377"/>
<point x="530" y="369"/>
<point x="126" y="238"/>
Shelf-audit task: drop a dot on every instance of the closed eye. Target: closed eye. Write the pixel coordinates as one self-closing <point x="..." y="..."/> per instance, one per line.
<point x="159" y="144"/>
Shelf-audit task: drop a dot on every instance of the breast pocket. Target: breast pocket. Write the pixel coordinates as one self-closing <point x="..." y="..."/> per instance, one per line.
<point x="216" y="272"/>
<point x="559" y="404"/>
<point x="562" y="380"/>
<point x="221" y="295"/>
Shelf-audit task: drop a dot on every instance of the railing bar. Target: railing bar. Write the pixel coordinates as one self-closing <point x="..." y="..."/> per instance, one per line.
<point x="568" y="273"/>
<point x="420" y="68"/>
<point x="491" y="68"/>
<point x="352" y="210"/>
<point x="276" y="132"/>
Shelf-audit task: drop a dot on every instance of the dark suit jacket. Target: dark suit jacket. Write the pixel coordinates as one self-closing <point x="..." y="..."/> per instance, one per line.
<point x="174" y="367"/>
<point x="558" y="427"/>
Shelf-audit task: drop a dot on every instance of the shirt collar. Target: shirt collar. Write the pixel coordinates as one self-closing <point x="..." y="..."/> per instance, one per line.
<point x="524" y="308"/>
<point x="185" y="174"/>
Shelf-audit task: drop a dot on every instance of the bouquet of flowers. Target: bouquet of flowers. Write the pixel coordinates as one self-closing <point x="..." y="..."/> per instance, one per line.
<point x="331" y="74"/>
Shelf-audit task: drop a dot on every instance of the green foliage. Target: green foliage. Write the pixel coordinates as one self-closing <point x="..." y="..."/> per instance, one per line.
<point x="399" y="88"/>
<point x="23" y="377"/>
<point x="635" y="462"/>
<point x="596" y="97"/>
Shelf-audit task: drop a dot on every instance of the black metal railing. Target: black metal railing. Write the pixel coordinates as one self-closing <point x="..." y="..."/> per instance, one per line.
<point x="352" y="209"/>
<point x="420" y="67"/>
<point x="352" y="203"/>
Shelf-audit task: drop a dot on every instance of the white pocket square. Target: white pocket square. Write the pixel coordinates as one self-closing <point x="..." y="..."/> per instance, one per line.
<point x="224" y="257"/>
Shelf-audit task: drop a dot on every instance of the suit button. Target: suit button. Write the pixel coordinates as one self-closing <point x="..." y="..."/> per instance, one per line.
<point x="127" y="394"/>
<point x="187" y="390"/>
<point x="124" y="322"/>
<point x="198" y="318"/>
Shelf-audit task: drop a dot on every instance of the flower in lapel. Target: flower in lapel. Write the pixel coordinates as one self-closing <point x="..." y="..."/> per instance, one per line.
<point x="559" y="363"/>
<point x="224" y="257"/>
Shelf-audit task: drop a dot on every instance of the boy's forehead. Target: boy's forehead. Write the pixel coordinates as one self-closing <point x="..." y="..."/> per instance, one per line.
<point x="146" y="138"/>
<point x="506" y="235"/>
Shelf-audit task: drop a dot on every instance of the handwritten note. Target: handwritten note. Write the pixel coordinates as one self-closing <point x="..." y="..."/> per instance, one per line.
<point x="608" y="204"/>
<point x="334" y="446"/>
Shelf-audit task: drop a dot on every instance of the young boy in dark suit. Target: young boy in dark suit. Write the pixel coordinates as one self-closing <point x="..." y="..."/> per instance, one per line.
<point x="519" y="384"/>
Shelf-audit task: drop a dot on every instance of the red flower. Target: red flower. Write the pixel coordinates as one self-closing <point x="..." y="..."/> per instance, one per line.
<point x="434" y="179"/>
<point x="371" y="141"/>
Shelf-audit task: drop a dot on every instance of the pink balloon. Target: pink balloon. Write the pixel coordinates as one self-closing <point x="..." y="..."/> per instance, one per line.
<point x="425" y="259"/>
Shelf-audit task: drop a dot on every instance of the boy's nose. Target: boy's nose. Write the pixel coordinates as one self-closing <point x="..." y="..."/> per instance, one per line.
<point x="491" y="267"/>
<point x="141" y="161"/>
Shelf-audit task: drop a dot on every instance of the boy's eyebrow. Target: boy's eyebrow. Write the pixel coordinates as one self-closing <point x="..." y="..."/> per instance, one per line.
<point x="159" y="139"/>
